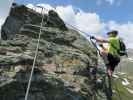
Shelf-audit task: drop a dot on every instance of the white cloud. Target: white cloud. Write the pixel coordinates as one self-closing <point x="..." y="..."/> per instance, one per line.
<point x="1" y="21"/>
<point x="11" y="0"/>
<point x="89" y="22"/>
<point x="110" y="1"/>
<point x="38" y="9"/>
<point x="67" y="14"/>
<point x="49" y="7"/>
<point x="98" y="2"/>
<point x="30" y="6"/>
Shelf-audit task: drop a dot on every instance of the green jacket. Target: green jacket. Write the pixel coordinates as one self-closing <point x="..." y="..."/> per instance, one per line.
<point x="113" y="42"/>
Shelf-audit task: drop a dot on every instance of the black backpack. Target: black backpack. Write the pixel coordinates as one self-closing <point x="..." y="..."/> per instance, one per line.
<point x="123" y="50"/>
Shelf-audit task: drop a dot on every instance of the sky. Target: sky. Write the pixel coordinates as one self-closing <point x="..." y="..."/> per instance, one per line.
<point x="4" y="10"/>
<point x="92" y="16"/>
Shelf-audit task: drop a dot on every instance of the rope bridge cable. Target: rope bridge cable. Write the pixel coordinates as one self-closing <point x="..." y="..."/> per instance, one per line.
<point x="34" y="62"/>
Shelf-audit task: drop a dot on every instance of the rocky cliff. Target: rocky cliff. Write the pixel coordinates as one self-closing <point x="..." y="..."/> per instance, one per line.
<point x="64" y="57"/>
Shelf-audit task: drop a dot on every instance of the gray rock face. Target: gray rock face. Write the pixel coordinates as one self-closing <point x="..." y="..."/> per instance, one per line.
<point x="53" y="20"/>
<point x="64" y="57"/>
<point x="21" y="15"/>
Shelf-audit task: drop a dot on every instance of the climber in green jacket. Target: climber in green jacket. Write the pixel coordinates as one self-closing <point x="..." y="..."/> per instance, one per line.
<point x="110" y="54"/>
